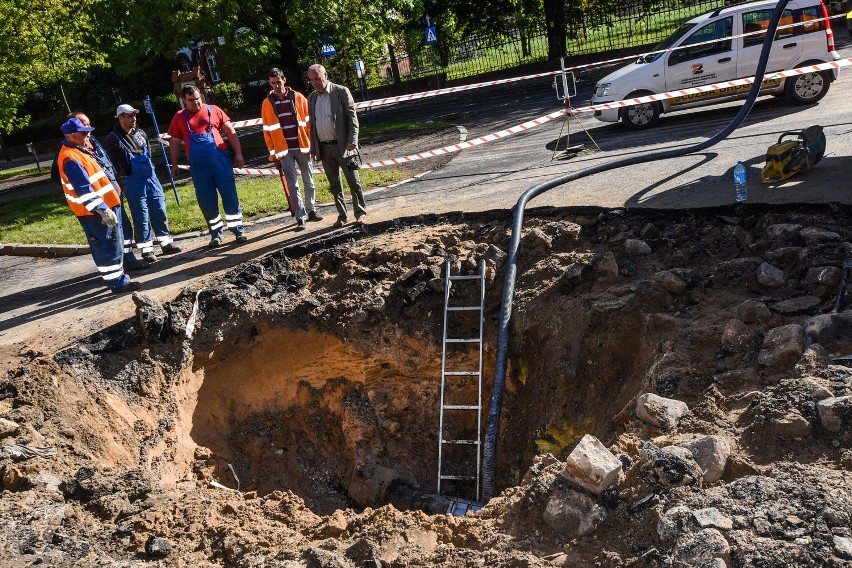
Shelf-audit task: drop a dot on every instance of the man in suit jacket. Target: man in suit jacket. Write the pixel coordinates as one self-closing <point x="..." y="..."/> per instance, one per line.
<point x="334" y="140"/>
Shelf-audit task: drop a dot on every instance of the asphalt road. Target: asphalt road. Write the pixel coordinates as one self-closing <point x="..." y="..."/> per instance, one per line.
<point x="43" y="302"/>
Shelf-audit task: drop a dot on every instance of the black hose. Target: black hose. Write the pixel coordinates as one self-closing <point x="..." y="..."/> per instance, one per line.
<point x="517" y="225"/>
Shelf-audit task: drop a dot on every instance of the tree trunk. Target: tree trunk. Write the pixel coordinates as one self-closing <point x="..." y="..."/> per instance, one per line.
<point x="289" y="57"/>
<point x="394" y="65"/>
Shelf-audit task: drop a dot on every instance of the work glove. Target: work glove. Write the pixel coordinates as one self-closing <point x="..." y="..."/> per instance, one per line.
<point x="108" y="215"/>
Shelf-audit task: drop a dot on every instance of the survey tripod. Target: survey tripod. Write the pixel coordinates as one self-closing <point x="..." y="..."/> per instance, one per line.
<point x="569" y="89"/>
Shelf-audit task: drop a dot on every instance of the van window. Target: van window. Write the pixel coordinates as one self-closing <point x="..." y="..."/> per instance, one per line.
<point x="759" y="20"/>
<point x="719" y="29"/>
<point x="807" y="18"/>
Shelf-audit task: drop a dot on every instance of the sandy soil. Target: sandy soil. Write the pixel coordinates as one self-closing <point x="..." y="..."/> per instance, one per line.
<point x="308" y="392"/>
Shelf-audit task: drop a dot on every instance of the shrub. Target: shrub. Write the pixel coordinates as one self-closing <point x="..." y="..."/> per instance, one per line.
<point x="229" y="96"/>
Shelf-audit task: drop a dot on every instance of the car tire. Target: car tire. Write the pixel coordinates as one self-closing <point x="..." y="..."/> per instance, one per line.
<point x="808" y="88"/>
<point x="641" y="116"/>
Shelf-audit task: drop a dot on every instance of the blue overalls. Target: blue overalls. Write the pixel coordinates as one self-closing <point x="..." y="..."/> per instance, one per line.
<point x="146" y="199"/>
<point x="211" y="169"/>
<point x="103" y="160"/>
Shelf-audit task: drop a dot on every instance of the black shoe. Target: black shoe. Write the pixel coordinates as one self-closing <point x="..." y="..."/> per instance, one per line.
<point x="131" y="286"/>
<point x="132" y="264"/>
<point x="241" y="238"/>
<point x="214" y="242"/>
<point x="171" y="249"/>
<point x="340" y="222"/>
<point x="314" y="216"/>
<point x="149" y="257"/>
<point x="300" y="224"/>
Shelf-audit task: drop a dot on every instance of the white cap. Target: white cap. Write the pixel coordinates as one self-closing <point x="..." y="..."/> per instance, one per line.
<point x="125" y="109"/>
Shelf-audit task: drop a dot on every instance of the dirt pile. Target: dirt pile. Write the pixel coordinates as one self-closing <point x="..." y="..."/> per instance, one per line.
<point x="287" y="413"/>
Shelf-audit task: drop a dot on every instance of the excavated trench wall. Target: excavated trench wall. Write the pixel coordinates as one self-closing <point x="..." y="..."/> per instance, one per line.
<point x="319" y="371"/>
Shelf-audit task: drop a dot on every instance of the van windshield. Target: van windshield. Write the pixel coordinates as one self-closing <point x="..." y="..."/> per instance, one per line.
<point x="667" y="43"/>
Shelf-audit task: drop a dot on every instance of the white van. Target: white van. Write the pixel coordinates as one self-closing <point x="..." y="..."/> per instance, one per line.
<point x="807" y="42"/>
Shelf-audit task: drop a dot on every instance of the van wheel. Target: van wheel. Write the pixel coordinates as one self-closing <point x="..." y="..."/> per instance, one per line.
<point x="642" y="116"/>
<point x="806" y="89"/>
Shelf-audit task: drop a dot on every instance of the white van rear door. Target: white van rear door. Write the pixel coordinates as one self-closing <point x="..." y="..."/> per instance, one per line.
<point x="786" y="49"/>
<point x="704" y="63"/>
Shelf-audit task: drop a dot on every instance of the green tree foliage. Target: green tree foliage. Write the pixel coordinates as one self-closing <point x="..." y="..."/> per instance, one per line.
<point x="47" y="44"/>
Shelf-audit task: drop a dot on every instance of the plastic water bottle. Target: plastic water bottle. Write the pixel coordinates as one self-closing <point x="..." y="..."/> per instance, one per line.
<point x="740" y="182"/>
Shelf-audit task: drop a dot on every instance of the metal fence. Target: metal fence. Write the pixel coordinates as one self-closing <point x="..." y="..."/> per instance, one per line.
<point x="589" y="32"/>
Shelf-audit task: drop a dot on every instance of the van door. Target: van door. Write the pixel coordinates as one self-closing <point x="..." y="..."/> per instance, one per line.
<point x="786" y="49"/>
<point x="706" y="62"/>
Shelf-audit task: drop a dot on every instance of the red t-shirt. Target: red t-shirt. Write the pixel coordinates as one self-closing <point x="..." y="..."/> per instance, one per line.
<point x="198" y="121"/>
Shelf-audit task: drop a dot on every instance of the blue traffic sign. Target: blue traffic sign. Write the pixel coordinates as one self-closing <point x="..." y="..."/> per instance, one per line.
<point x="431" y="36"/>
<point x="328" y="50"/>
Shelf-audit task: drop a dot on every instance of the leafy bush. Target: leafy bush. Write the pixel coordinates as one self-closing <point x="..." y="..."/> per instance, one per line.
<point x="229" y="96"/>
<point x="165" y="107"/>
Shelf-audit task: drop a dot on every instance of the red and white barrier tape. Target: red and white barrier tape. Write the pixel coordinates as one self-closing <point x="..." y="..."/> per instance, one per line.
<point x="473" y="86"/>
<point x="554" y="115"/>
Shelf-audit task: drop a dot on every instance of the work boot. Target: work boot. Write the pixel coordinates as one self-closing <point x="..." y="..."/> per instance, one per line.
<point x="314" y="216"/>
<point x="131" y="263"/>
<point x="300" y="224"/>
<point x="241" y="239"/>
<point x="131" y="286"/>
<point x="171" y="248"/>
<point x="214" y="242"/>
<point x="149" y="256"/>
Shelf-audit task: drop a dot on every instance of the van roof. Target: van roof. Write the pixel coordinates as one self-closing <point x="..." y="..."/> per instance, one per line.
<point x="739" y="7"/>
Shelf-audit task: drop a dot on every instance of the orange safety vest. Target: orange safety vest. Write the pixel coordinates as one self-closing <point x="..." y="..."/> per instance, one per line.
<point x="102" y="189"/>
<point x="274" y="135"/>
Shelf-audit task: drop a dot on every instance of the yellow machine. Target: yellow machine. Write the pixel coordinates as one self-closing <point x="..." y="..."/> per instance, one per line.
<point x="790" y="157"/>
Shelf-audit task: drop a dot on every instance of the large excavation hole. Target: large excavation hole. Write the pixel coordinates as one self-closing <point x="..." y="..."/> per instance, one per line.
<point x="305" y="412"/>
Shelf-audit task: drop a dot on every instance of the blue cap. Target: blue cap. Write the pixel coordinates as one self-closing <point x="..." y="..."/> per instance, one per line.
<point x="73" y="125"/>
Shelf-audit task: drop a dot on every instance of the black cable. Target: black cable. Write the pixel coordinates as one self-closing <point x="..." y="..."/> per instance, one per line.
<point x="517" y="225"/>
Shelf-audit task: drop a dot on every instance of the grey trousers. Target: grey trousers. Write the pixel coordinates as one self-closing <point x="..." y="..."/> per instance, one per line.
<point x="332" y="162"/>
<point x="288" y="164"/>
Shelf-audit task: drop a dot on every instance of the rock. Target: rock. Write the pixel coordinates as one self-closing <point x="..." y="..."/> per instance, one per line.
<point x="412" y="275"/>
<point x="791" y="425"/>
<point x="753" y="311"/>
<point x="769" y="276"/>
<point x="660" y="412"/>
<point x="12" y="478"/>
<point x="832" y="331"/>
<point x="783" y="230"/>
<point x="8" y="427"/>
<point x="706" y="547"/>
<point x="842" y="547"/>
<point x="835" y="413"/>
<point x="45" y="481"/>
<point x="592" y="466"/>
<point x="814" y="235"/>
<point x="671" y="281"/>
<point x="737" y="337"/>
<point x="823" y="280"/>
<point x="711" y="454"/>
<point x="675" y="521"/>
<point x="153" y="317"/>
<point x="537" y="239"/>
<point x="156" y="547"/>
<point x="572" y="513"/>
<point x="606" y="265"/>
<point x="712" y="518"/>
<point x="636" y="247"/>
<point x="815" y="388"/>
<point x="782" y="346"/>
<point x="665" y="469"/>
<point x="797" y="306"/>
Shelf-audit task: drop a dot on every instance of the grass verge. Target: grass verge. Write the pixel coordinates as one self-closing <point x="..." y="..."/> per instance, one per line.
<point x="46" y="219"/>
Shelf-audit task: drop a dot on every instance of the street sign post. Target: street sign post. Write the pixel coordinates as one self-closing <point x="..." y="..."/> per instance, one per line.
<point x="149" y="108"/>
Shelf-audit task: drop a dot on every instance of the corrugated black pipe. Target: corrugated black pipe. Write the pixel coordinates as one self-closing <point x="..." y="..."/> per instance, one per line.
<point x="517" y="225"/>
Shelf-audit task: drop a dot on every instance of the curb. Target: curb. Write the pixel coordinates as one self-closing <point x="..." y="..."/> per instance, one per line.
<point x="43" y="251"/>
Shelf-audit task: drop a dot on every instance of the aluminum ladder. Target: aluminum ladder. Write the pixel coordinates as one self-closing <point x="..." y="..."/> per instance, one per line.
<point x="450" y="377"/>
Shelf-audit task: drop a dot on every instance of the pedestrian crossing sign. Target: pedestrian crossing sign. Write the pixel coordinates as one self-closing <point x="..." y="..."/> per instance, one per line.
<point x="431" y="36"/>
